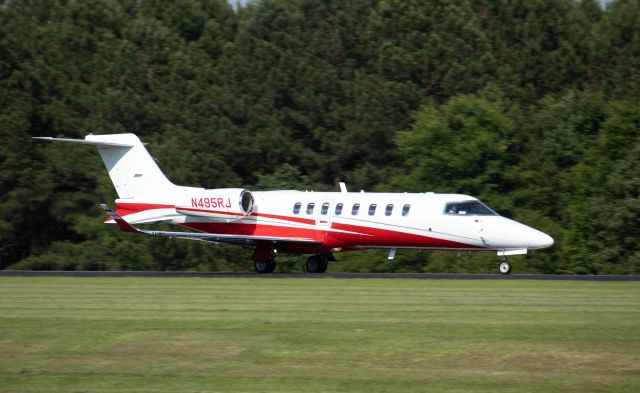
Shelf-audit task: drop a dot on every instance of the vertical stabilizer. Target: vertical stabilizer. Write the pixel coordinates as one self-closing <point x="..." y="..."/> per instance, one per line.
<point x="133" y="171"/>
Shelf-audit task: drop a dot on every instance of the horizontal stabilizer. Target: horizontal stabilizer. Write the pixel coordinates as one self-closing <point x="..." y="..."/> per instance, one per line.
<point x="124" y="225"/>
<point x="83" y="141"/>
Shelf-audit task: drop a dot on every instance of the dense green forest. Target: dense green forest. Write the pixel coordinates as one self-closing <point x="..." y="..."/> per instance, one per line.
<point x="531" y="105"/>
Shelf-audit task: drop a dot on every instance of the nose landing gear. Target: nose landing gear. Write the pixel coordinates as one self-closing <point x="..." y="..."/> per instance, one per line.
<point x="505" y="266"/>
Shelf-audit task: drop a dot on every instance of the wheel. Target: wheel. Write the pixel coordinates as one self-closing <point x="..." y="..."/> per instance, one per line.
<point x="505" y="267"/>
<point x="265" y="265"/>
<point x="322" y="267"/>
<point x="317" y="264"/>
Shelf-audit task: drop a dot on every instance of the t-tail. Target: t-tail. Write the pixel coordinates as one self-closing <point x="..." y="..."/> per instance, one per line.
<point x="145" y="194"/>
<point x="134" y="173"/>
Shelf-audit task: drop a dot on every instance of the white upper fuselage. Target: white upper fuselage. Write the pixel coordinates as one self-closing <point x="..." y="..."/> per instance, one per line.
<point x="399" y="220"/>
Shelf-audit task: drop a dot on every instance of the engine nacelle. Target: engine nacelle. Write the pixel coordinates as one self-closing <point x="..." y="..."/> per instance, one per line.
<point x="228" y="204"/>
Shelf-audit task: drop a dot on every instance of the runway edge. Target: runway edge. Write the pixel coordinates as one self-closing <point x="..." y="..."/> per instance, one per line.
<point x="415" y="276"/>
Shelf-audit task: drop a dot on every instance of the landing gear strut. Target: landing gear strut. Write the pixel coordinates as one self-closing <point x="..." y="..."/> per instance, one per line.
<point x="265" y="265"/>
<point x="317" y="263"/>
<point x="505" y="266"/>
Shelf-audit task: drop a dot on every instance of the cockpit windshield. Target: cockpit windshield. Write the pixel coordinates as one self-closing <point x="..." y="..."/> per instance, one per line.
<point x="468" y="208"/>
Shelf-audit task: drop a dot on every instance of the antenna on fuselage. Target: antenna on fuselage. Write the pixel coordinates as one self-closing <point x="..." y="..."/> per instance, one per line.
<point x="343" y="186"/>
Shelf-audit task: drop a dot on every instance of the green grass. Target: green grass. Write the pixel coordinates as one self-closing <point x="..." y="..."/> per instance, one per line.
<point x="321" y="335"/>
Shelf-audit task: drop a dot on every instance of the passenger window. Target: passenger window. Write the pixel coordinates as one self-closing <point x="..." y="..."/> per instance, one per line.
<point x="296" y="207"/>
<point x="339" y="207"/>
<point x="325" y="209"/>
<point x="310" y="207"/>
<point x="388" y="210"/>
<point x="354" y="210"/>
<point x="372" y="209"/>
<point x="405" y="209"/>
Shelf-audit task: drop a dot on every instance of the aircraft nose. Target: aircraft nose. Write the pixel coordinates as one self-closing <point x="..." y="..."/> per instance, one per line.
<point x="539" y="239"/>
<point x="507" y="233"/>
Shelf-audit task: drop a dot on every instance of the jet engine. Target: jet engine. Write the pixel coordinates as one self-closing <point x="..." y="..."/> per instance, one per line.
<point x="228" y="204"/>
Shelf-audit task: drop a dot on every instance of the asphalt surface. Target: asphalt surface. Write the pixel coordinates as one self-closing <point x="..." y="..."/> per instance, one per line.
<point x="418" y="276"/>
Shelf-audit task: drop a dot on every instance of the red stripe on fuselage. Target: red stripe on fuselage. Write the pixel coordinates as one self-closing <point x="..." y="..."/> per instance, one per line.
<point x="387" y="238"/>
<point x="263" y="215"/>
<point x="253" y="230"/>
<point x="126" y="208"/>
<point x="192" y="209"/>
<point x="139" y="207"/>
<point x="354" y="235"/>
<point x="130" y="208"/>
<point x="357" y="236"/>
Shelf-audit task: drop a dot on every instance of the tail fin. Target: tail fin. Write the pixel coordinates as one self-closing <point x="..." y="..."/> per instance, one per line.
<point x="133" y="171"/>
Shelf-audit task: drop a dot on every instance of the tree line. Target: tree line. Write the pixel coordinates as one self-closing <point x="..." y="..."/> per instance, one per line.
<point x="532" y="106"/>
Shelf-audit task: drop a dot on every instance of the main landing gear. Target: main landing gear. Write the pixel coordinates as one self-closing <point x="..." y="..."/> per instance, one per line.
<point x="505" y="266"/>
<point x="265" y="265"/>
<point x="317" y="263"/>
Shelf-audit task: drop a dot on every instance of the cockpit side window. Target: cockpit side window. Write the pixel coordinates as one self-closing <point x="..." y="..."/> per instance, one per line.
<point x="468" y="208"/>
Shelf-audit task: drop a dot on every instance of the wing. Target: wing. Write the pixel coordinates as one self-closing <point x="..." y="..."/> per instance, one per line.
<point x="209" y="237"/>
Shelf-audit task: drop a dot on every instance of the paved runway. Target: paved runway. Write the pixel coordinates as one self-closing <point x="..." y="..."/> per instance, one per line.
<point x="418" y="276"/>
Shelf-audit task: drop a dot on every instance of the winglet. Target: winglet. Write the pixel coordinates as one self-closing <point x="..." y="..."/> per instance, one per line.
<point x="124" y="226"/>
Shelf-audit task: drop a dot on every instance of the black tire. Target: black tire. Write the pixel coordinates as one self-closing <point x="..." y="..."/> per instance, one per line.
<point x="317" y="264"/>
<point x="265" y="266"/>
<point x="505" y="267"/>
<point x="324" y="262"/>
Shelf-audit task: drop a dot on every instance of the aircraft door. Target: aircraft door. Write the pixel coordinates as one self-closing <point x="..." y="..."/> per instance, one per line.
<point x="323" y="219"/>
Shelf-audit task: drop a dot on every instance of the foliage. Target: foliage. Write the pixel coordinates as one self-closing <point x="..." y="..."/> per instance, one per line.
<point x="530" y="105"/>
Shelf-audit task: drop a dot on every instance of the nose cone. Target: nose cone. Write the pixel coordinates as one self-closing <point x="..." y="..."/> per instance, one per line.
<point x="506" y="233"/>
<point x="537" y="239"/>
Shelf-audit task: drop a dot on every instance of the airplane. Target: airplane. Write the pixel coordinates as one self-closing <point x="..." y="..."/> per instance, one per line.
<point x="301" y="222"/>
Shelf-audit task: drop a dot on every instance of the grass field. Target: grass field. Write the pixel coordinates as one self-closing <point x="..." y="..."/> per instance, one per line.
<point x="321" y="335"/>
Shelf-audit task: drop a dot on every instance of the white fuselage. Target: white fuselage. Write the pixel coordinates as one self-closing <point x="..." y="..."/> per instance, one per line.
<point x="398" y="220"/>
